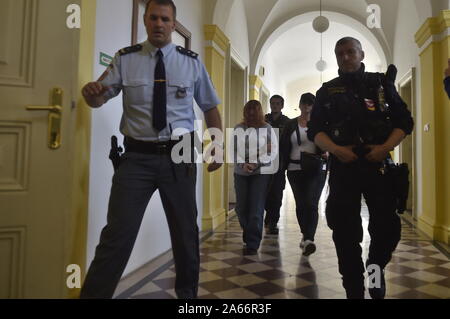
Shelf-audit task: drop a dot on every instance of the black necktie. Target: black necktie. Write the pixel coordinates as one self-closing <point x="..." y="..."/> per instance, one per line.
<point x="159" y="94"/>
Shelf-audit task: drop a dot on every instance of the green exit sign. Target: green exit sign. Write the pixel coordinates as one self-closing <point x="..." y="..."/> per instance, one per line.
<point x="105" y="59"/>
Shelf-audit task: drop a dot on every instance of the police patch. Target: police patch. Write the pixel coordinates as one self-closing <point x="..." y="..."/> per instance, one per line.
<point x="370" y="104"/>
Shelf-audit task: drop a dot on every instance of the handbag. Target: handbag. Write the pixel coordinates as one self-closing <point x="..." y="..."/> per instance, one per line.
<point x="310" y="163"/>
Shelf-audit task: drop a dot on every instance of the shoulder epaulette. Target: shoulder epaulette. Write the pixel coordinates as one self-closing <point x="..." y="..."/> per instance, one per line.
<point x="187" y="52"/>
<point x="133" y="48"/>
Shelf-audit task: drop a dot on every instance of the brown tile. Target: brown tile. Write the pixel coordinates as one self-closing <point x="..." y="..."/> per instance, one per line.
<point x="423" y="252"/>
<point x="432" y="261"/>
<point x="272" y="274"/>
<point x="398" y="260"/>
<point x="265" y="289"/>
<point x="218" y="285"/>
<point x="166" y="283"/>
<point x="273" y="263"/>
<point x="408" y="282"/>
<point x="236" y="261"/>
<point x="154" y="295"/>
<point x="209" y="296"/>
<point x="444" y="282"/>
<point x="413" y="294"/>
<point x="399" y="269"/>
<point x="440" y="271"/>
<point x="229" y="272"/>
<point x="310" y="276"/>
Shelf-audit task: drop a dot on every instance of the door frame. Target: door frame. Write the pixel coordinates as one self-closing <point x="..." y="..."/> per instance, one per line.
<point x="410" y="78"/>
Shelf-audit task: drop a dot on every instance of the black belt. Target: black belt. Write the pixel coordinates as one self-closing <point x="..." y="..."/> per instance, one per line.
<point x="152" y="148"/>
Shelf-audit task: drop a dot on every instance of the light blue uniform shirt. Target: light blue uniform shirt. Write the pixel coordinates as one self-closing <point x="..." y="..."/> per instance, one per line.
<point x="133" y="73"/>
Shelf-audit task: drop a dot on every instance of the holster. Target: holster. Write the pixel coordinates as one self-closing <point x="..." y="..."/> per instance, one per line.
<point x="399" y="176"/>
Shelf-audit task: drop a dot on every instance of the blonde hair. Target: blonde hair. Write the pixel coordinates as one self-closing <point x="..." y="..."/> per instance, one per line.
<point x="259" y="120"/>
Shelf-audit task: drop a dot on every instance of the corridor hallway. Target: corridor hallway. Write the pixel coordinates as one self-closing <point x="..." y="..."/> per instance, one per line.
<point x="418" y="269"/>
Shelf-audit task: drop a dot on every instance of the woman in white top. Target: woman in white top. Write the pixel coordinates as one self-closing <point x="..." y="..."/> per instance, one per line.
<point x="306" y="172"/>
<point x="253" y="141"/>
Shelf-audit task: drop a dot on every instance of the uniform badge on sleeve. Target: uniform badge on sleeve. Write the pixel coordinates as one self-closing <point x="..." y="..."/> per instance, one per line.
<point x="370" y="104"/>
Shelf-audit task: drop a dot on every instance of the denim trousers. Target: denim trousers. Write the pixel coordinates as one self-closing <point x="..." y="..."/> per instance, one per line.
<point x="251" y="194"/>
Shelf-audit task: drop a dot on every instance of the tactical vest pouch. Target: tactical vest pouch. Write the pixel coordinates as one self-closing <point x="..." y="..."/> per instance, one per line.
<point x="399" y="177"/>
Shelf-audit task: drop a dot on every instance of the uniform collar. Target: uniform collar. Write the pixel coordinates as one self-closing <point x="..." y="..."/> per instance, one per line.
<point x="151" y="49"/>
<point x="353" y="77"/>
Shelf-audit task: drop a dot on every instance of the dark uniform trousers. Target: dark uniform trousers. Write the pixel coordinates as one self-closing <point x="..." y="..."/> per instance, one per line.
<point x="274" y="197"/>
<point x="347" y="182"/>
<point x="137" y="178"/>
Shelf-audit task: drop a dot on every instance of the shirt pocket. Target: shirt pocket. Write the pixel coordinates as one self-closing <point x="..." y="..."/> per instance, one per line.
<point x="137" y="91"/>
<point x="180" y="91"/>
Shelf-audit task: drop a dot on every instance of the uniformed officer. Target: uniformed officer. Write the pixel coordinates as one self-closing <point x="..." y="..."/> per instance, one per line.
<point x="359" y="118"/>
<point x="447" y="79"/>
<point x="159" y="81"/>
<point x="278" y="180"/>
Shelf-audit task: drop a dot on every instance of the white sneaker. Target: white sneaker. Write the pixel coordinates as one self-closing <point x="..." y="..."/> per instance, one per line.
<point x="308" y="248"/>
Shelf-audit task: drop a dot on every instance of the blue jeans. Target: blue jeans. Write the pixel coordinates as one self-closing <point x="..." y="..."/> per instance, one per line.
<point x="251" y="194"/>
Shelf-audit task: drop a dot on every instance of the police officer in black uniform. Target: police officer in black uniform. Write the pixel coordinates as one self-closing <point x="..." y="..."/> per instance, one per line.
<point x="447" y="79"/>
<point x="278" y="181"/>
<point x="359" y="118"/>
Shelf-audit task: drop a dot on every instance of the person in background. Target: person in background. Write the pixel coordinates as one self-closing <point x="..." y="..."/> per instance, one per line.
<point x="447" y="79"/>
<point x="278" y="180"/>
<point x="252" y="139"/>
<point x="306" y="172"/>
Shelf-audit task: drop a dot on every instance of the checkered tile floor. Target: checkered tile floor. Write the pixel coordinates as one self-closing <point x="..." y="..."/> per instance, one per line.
<point x="418" y="269"/>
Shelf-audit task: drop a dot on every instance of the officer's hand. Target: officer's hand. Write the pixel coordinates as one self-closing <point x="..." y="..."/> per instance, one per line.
<point x="214" y="166"/>
<point x="345" y="154"/>
<point x="93" y="90"/>
<point x="377" y="153"/>
<point x="447" y="71"/>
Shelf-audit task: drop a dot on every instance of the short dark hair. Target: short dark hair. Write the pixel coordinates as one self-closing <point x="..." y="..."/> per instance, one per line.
<point x="277" y="97"/>
<point x="348" y="39"/>
<point x="307" y="99"/>
<point x="163" y="3"/>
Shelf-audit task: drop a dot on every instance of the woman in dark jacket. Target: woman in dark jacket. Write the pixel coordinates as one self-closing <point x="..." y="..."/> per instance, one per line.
<point x="306" y="172"/>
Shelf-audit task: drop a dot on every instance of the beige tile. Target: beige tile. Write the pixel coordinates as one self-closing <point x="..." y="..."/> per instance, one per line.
<point x="223" y="255"/>
<point x="246" y="280"/>
<point x="166" y="274"/>
<point x="394" y="289"/>
<point x="206" y="276"/>
<point x="417" y="265"/>
<point x="238" y="293"/>
<point x="148" y="288"/>
<point x="214" y="265"/>
<point x="426" y="276"/>
<point x="436" y="290"/>
<point x="285" y="295"/>
<point x="291" y="283"/>
<point x="254" y="267"/>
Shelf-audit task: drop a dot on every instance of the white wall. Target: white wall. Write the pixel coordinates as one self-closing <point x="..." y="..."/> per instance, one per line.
<point x="113" y="32"/>
<point x="236" y="30"/>
<point x="406" y="56"/>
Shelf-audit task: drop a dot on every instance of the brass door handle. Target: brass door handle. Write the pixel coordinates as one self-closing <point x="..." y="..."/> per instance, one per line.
<point x="52" y="108"/>
<point x="54" y="118"/>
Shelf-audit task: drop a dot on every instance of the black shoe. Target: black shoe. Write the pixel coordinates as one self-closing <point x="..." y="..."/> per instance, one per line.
<point x="308" y="247"/>
<point x="250" y="251"/>
<point x="377" y="292"/>
<point x="273" y="230"/>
